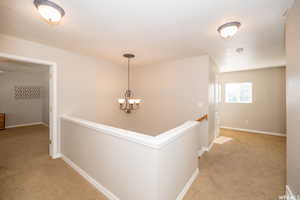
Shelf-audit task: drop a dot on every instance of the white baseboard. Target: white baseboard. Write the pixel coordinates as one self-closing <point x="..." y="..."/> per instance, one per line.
<point x="289" y="194"/>
<point x="91" y="180"/>
<point x="27" y="124"/>
<point x="210" y="146"/>
<point x="201" y="152"/>
<point x="58" y="155"/>
<point x="206" y="149"/>
<point x="255" y="131"/>
<point x="43" y="123"/>
<point x="188" y="185"/>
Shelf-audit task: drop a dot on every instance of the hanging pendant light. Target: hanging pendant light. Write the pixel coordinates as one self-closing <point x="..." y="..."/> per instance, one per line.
<point x="128" y="103"/>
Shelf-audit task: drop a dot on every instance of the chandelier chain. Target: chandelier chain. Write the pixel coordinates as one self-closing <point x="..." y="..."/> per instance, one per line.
<point x="128" y="63"/>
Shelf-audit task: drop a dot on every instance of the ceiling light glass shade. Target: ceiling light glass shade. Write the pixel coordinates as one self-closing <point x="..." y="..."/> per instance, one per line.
<point x="229" y="29"/>
<point x="49" y="13"/>
<point x="49" y="10"/>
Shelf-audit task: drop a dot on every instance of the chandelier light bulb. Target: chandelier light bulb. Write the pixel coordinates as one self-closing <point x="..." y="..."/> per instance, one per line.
<point x="121" y="101"/>
<point x="137" y="101"/>
<point x="131" y="101"/>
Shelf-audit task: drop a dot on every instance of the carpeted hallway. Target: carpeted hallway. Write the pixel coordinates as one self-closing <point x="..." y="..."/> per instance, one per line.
<point x="28" y="173"/>
<point x="249" y="167"/>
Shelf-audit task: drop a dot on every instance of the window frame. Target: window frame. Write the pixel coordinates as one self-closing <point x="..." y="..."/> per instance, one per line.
<point x="226" y="98"/>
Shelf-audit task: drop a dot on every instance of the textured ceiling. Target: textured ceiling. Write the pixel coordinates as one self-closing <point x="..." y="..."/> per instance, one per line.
<point x="158" y="30"/>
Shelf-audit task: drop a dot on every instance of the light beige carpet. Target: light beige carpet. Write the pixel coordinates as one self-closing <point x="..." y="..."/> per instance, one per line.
<point x="28" y="173"/>
<point x="248" y="167"/>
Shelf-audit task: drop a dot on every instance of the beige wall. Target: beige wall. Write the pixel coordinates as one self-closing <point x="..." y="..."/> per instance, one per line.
<point x="115" y="163"/>
<point x="268" y="110"/>
<point x="172" y="93"/>
<point x="22" y="111"/>
<point x="45" y="98"/>
<point x="213" y="110"/>
<point x="132" y="170"/>
<point x="293" y="98"/>
<point x="176" y="163"/>
<point x="87" y="87"/>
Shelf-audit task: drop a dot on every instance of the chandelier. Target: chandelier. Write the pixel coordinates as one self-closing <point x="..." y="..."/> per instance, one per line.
<point x="128" y="103"/>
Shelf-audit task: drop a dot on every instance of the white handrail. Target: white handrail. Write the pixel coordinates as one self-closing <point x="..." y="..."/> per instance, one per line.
<point x="156" y="142"/>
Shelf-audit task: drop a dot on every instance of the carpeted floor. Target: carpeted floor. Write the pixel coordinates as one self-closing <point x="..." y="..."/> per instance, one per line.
<point x="249" y="167"/>
<point x="28" y="173"/>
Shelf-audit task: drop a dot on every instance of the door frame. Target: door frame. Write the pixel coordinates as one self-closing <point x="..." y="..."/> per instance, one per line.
<point x="53" y="100"/>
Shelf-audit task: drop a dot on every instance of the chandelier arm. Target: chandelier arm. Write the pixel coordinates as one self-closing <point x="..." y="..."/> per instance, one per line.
<point x="125" y="105"/>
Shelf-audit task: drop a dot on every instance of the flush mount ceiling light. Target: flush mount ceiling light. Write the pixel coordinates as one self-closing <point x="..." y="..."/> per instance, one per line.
<point x="228" y="30"/>
<point x="49" y="10"/>
<point x="239" y="50"/>
<point x="128" y="103"/>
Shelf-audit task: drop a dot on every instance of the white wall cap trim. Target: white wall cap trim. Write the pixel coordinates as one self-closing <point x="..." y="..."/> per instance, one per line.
<point x="155" y="142"/>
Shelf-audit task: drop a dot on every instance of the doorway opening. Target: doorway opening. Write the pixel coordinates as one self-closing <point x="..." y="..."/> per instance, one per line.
<point x="32" y="91"/>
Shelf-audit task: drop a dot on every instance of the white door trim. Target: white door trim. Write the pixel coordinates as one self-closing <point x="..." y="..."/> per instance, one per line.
<point x="53" y="99"/>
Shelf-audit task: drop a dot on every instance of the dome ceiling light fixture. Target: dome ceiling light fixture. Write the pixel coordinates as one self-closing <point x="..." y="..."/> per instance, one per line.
<point x="239" y="50"/>
<point x="228" y="30"/>
<point x="49" y="10"/>
<point x="128" y="103"/>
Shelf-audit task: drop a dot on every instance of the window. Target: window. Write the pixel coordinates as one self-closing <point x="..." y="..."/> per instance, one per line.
<point x="238" y="92"/>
